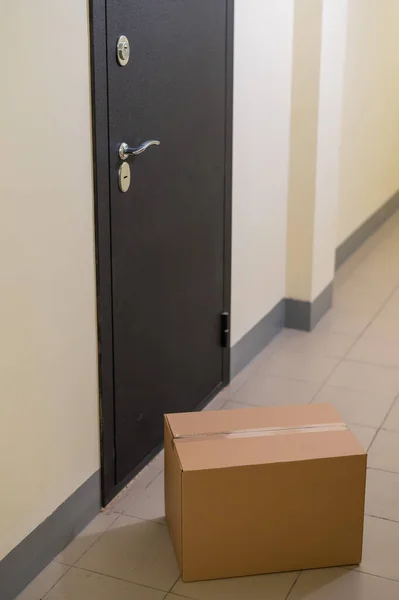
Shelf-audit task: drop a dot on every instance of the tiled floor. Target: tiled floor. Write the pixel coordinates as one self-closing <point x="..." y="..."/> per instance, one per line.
<point x="352" y="360"/>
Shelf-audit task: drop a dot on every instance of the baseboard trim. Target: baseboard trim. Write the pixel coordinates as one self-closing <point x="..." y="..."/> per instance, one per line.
<point x="360" y="235"/>
<point x="38" y="549"/>
<point x="305" y="315"/>
<point x="253" y="342"/>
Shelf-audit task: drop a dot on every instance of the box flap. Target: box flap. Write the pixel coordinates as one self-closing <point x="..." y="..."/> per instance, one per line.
<point x="291" y="433"/>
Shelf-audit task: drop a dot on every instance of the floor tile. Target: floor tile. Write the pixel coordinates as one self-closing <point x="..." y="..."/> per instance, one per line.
<point x="243" y="376"/>
<point x="382" y="498"/>
<point x="136" y="487"/>
<point x="321" y="343"/>
<point x="390" y="244"/>
<point x="82" y="585"/>
<point x="150" y="503"/>
<point x="219" y="401"/>
<point x="304" y="367"/>
<point x="353" y="293"/>
<point x="231" y="405"/>
<point x="136" y="551"/>
<point x="391" y="308"/>
<point x="380" y="269"/>
<point x="374" y="350"/>
<point x="384" y="328"/>
<point x="381" y="548"/>
<point x="370" y="246"/>
<point x="348" y="268"/>
<point x="342" y="584"/>
<point x="261" y="587"/>
<point x="265" y="390"/>
<point x="384" y="451"/>
<point x="368" y="378"/>
<point x="392" y="420"/>
<point x="365" y="435"/>
<point x="340" y="320"/>
<point x="358" y="407"/>
<point x="258" y="363"/>
<point x="39" y="587"/>
<point x="86" y="538"/>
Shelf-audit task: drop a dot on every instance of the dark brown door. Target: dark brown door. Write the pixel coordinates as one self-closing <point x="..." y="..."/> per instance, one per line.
<point x="168" y="237"/>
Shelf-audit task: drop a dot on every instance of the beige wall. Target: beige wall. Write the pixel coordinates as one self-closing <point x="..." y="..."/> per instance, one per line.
<point x="48" y="381"/>
<point x="317" y="91"/>
<point x="303" y="147"/>
<point x="332" y="68"/>
<point x="262" y="90"/>
<point x="370" y="132"/>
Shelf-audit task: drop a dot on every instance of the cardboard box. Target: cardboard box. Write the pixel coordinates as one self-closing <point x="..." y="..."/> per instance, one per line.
<point x="263" y="490"/>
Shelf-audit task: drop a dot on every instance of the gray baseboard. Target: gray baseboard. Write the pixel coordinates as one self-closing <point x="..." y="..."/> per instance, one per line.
<point x="253" y="342"/>
<point x="305" y="315"/>
<point x="26" y="560"/>
<point x="358" y="237"/>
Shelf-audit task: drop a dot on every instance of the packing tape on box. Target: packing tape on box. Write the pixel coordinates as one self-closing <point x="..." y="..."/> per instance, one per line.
<point x="262" y="432"/>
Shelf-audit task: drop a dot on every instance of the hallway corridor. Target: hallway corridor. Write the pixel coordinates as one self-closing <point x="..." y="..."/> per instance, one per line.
<point x="351" y="359"/>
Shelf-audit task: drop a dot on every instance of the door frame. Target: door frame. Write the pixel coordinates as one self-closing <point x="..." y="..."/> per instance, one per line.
<point x="101" y="170"/>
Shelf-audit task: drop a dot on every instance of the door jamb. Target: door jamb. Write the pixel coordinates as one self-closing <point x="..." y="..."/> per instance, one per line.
<point x="101" y="178"/>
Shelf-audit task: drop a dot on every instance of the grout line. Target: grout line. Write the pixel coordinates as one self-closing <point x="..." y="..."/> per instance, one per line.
<point x="130" y="486"/>
<point x="317" y="392"/>
<point x="383" y="470"/>
<point x="326" y="380"/>
<point x="117" y="515"/>
<point x="293" y="585"/>
<point x="373" y="364"/>
<point x="363" y="331"/>
<point x="352" y="389"/>
<point x="156" y="521"/>
<point x="380" y="427"/>
<point x="389" y="412"/>
<point x="119" y="579"/>
<point x="355" y="569"/>
<point x="185" y="597"/>
<point x="53" y="586"/>
<point x="171" y="588"/>
<point x="381" y="518"/>
<point x="284" y="377"/>
<point x="251" y="366"/>
<point x="323" y="385"/>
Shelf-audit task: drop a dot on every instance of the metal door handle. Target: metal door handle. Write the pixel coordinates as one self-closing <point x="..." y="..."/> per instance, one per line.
<point x="125" y="151"/>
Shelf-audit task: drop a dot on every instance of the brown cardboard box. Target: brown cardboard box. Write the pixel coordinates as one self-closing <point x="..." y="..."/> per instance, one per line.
<point x="263" y="490"/>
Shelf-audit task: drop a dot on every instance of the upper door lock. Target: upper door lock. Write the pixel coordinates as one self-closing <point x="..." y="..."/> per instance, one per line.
<point x="123" y="50"/>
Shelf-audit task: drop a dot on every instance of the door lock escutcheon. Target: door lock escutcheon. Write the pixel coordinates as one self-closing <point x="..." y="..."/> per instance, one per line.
<point x="123" y="50"/>
<point x="124" y="177"/>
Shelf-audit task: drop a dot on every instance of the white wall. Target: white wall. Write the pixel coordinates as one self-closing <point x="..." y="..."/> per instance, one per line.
<point x="262" y="94"/>
<point x="370" y="133"/>
<point x="48" y="379"/>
